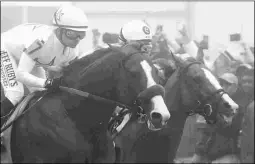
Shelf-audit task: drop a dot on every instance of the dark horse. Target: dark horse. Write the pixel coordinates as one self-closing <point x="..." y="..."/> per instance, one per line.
<point x="65" y="127"/>
<point x="191" y="89"/>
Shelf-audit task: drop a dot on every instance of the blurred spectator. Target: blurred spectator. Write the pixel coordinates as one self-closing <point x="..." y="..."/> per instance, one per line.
<point x="241" y="52"/>
<point x="160" y="47"/>
<point x="247" y="137"/>
<point x="252" y="50"/>
<point x="242" y="68"/>
<point x="110" y="38"/>
<point x="96" y="36"/>
<point x="187" y="45"/>
<point x="245" y="74"/>
<point x="225" y="63"/>
<point x="229" y="82"/>
<point x="203" y="45"/>
<point x="181" y="45"/>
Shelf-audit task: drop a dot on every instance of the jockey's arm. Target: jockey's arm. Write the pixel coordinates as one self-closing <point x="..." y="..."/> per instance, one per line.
<point x="25" y="66"/>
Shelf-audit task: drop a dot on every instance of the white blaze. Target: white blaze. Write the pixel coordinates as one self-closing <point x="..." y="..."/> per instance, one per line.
<point x="157" y="101"/>
<point x="212" y="79"/>
<point x="217" y="86"/>
<point x="147" y="69"/>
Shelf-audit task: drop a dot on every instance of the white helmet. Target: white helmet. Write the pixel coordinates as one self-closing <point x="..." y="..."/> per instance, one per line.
<point x="70" y="17"/>
<point x="135" y="30"/>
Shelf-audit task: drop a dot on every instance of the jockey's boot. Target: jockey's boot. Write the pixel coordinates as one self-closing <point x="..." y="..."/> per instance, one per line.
<point x="6" y="108"/>
<point x="199" y="159"/>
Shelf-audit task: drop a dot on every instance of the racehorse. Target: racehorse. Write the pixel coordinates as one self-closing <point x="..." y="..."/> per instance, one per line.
<point x="68" y="127"/>
<point x="191" y="89"/>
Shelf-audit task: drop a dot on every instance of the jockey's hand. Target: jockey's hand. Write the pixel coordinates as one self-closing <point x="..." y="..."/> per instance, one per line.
<point x="182" y="37"/>
<point x="53" y="83"/>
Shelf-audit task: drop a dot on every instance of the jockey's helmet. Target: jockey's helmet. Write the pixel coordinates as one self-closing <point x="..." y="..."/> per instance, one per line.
<point x="138" y="33"/>
<point x="70" y="17"/>
<point x="135" y="30"/>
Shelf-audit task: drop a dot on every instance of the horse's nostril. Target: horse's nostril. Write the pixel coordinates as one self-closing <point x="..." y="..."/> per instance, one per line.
<point x="155" y="116"/>
<point x="227" y="105"/>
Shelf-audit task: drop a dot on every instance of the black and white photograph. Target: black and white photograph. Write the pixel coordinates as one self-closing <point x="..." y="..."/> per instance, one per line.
<point x="127" y="82"/>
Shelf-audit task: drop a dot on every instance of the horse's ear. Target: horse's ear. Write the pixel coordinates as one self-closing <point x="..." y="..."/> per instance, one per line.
<point x="178" y="61"/>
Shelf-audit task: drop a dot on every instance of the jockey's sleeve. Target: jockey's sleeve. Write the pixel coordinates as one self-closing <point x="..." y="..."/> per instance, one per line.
<point x="191" y="49"/>
<point x="25" y="66"/>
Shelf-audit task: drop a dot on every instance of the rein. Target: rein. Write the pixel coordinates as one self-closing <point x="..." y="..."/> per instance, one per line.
<point x="124" y="108"/>
<point x="93" y="97"/>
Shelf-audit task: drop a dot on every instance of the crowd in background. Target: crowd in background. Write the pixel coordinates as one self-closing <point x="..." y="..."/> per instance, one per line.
<point x="234" y="68"/>
<point x="233" y="64"/>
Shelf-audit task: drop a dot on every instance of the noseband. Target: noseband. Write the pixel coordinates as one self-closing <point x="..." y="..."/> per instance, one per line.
<point x="203" y="107"/>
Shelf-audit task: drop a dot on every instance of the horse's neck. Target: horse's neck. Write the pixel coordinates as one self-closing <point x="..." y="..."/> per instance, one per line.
<point x="72" y="72"/>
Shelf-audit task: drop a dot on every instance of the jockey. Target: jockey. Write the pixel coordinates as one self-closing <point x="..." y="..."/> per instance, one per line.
<point x="28" y="50"/>
<point x="136" y="33"/>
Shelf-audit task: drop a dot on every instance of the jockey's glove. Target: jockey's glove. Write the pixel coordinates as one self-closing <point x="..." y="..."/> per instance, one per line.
<point x="53" y="83"/>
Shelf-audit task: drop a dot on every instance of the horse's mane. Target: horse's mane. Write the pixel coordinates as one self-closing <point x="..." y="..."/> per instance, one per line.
<point x="86" y="60"/>
<point x="103" y="59"/>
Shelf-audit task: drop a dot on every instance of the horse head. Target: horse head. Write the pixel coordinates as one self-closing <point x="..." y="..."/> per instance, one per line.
<point x="126" y="77"/>
<point x="197" y="91"/>
<point x="139" y="77"/>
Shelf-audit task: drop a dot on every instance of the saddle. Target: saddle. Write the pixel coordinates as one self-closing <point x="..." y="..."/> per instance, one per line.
<point x="6" y="134"/>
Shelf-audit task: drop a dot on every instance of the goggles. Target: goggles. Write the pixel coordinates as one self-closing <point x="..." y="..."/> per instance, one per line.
<point x="74" y="35"/>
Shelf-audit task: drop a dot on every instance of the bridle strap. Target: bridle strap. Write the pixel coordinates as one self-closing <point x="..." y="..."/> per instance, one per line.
<point x="200" y="104"/>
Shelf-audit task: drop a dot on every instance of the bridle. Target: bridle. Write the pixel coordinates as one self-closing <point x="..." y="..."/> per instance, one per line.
<point x="202" y="107"/>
